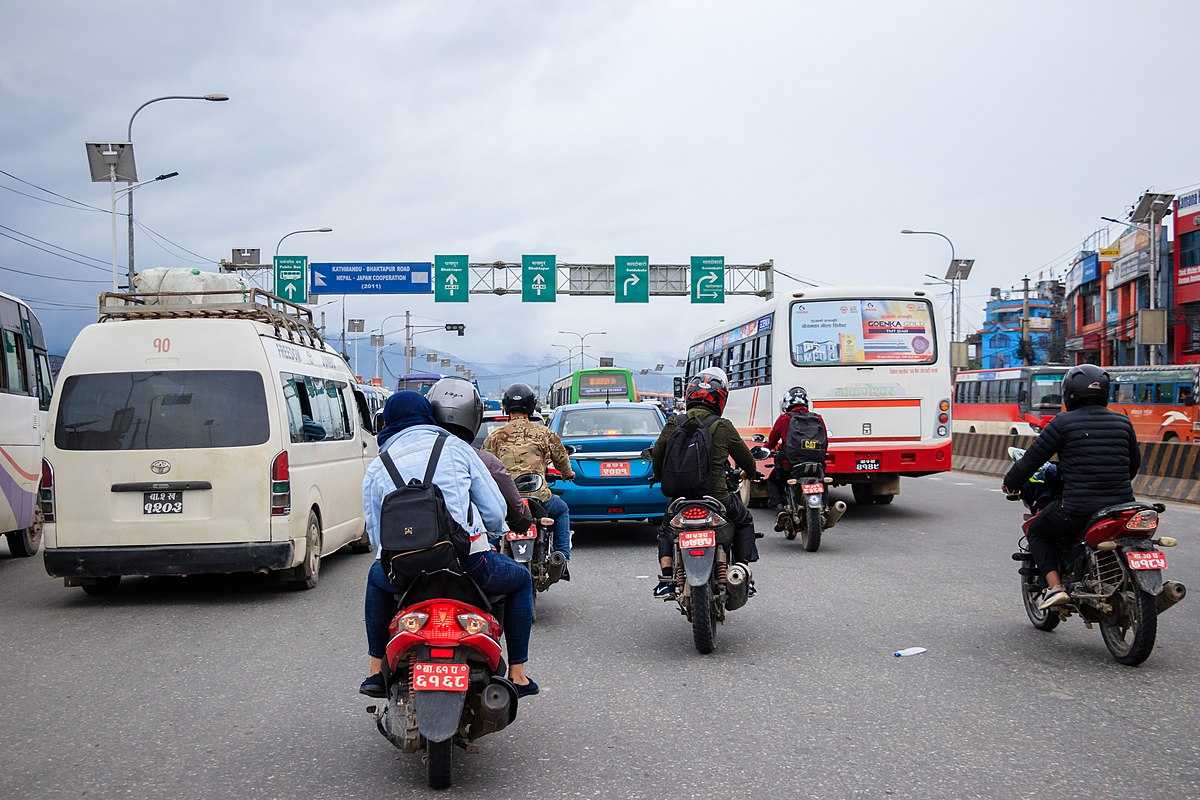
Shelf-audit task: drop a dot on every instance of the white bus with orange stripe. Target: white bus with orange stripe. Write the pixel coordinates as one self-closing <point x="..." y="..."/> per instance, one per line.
<point x="875" y="363"/>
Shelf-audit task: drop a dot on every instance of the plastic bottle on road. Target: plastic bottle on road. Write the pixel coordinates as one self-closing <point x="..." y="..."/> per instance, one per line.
<point x="909" y="651"/>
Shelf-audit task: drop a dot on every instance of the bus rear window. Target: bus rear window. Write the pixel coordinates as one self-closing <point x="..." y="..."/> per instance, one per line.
<point x="176" y="410"/>
<point x="856" y="332"/>
<point x="612" y="385"/>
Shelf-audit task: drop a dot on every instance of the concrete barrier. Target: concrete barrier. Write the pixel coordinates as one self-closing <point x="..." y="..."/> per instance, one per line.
<point x="1169" y="469"/>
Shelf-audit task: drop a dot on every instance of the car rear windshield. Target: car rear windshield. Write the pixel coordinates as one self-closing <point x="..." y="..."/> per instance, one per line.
<point x="173" y="410"/>
<point x="611" y="422"/>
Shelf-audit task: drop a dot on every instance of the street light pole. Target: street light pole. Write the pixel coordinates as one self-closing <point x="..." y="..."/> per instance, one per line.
<point x="112" y="171"/>
<point x="955" y="289"/>
<point x="582" y="339"/>
<point x="314" y="230"/>
<point x="570" y="348"/>
<point x="213" y="97"/>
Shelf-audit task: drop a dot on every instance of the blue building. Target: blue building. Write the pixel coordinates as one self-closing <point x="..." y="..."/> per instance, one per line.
<point x="1000" y="336"/>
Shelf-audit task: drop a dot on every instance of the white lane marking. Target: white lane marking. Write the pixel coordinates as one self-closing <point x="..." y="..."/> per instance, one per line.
<point x="994" y="490"/>
<point x="956" y="483"/>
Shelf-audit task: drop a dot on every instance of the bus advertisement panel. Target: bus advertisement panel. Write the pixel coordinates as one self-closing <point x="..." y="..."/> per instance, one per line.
<point x="857" y="332"/>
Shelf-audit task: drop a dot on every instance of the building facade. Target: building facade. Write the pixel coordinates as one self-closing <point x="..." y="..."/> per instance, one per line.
<point x="1000" y="337"/>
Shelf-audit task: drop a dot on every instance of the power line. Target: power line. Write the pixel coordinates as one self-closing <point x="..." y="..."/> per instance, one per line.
<point x="51" y="277"/>
<point x="51" y="202"/>
<point x="153" y="232"/>
<point x="55" y="246"/>
<point x="56" y="194"/>
<point x="51" y="252"/>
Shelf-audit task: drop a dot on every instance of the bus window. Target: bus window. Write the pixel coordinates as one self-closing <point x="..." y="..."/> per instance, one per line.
<point x="1187" y="395"/>
<point x="1143" y="392"/>
<point x="1125" y="392"/>
<point x="1164" y="393"/>
<point x="16" y="377"/>
<point x="45" y="382"/>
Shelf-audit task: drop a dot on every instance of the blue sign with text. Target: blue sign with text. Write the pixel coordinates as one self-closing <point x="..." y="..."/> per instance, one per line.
<point x="372" y="277"/>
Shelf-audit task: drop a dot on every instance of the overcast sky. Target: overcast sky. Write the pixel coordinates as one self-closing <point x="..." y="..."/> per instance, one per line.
<point x="806" y="133"/>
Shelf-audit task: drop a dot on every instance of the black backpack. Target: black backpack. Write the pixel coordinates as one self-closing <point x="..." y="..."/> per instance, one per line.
<point x="806" y="440"/>
<point x="687" y="460"/>
<point x="416" y="531"/>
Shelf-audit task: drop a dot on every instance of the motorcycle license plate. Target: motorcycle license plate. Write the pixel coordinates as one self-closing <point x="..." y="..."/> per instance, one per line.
<point x="162" y="502"/>
<point x="520" y="536"/>
<point x="688" y="539"/>
<point x="440" y="677"/>
<point x="1151" y="559"/>
<point x="614" y="469"/>
<point x="812" y="488"/>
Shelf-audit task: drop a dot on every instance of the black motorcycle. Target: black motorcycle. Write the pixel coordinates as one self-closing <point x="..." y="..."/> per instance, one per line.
<point x="707" y="583"/>
<point x="534" y="548"/>
<point x="807" y="510"/>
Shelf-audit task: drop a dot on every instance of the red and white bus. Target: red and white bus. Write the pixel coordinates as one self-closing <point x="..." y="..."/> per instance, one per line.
<point x="1014" y="400"/>
<point x="1159" y="401"/>
<point x="875" y="364"/>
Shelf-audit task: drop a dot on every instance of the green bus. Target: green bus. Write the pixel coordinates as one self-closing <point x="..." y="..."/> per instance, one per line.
<point x="592" y="386"/>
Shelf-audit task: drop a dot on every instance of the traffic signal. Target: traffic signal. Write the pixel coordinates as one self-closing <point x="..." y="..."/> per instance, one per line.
<point x="457" y="326"/>
<point x="678" y="381"/>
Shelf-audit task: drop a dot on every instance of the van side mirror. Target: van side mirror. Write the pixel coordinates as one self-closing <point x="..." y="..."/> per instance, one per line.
<point x="378" y="421"/>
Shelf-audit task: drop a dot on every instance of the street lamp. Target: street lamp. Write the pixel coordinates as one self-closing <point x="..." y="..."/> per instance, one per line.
<point x="293" y="233"/>
<point x="570" y="348"/>
<point x="955" y="295"/>
<point x="214" y="97"/>
<point x="582" y="339"/>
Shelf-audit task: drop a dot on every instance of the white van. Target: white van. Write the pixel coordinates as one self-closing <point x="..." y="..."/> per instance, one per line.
<point x="219" y="437"/>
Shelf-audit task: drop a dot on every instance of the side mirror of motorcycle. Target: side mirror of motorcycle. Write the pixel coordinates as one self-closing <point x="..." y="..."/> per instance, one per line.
<point x="571" y="449"/>
<point x="758" y="437"/>
<point x="760" y="452"/>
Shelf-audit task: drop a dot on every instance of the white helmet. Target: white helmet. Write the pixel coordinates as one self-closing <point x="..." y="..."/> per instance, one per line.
<point x="715" y="372"/>
<point x="796" y="396"/>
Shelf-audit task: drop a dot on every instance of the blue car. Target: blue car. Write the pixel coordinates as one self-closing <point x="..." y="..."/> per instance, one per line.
<point x="612" y="480"/>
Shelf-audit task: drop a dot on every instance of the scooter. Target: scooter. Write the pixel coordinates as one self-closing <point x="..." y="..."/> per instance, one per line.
<point x="443" y="670"/>
<point x="1114" y="576"/>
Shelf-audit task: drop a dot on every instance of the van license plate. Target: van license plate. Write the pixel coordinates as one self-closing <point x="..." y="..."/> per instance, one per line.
<point x="162" y="502"/>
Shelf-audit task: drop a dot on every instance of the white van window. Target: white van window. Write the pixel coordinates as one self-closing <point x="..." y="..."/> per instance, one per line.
<point x="316" y="409"/>
<point x="175" y="410"/>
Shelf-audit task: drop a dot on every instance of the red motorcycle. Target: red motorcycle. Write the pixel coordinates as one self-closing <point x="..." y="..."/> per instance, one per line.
<point x="1114" y="576"/>
<point x="444" y="673"/>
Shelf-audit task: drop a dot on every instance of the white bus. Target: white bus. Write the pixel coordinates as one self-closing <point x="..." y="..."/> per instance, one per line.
<point x="875" y="363"/>
<point x="25" y="388"/>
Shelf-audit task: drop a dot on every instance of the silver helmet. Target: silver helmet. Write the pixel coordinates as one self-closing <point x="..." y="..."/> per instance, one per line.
<point x="457" y="406"/>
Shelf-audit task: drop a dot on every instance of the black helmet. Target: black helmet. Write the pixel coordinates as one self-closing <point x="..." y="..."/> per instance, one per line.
<point x="519" y="398"/>
<point x="457" y="406"/>
<point x="1085" y="385"/>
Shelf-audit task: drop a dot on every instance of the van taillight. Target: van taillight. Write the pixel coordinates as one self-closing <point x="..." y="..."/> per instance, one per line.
<point x="46" y="492"/>
<point x="281" y="486"/>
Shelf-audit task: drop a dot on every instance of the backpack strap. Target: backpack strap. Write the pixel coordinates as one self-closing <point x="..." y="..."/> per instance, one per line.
<point x="390" y="465"/>
<point x="434" y="456"/>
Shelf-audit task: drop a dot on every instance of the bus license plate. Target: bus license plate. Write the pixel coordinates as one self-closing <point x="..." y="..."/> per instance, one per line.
<point x="867" y="465"/>
<point x="1151" y="559"/>
<point x="440" y="677"/>
<point x="162" y="502"/>
<point x="697" y="539"/>
<point x="614" y="469"/>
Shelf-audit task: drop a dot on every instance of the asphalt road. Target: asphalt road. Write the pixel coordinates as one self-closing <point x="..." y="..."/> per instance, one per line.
<point x="230" y="688"/>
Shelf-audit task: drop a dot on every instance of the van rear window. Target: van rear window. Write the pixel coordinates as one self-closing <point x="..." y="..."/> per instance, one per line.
<point x="173" y="410"/>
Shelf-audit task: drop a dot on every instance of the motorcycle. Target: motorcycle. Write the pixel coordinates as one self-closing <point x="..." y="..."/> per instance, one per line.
<point x="707" y="584"/>
<point x="443" y="670"/>
<point x="534" y="548"/>
<point x="808" y="512"/>
<point x="1114" y="576"/>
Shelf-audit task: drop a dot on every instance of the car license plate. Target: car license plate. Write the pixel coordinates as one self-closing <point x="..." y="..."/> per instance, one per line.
<point x="867" y="465"/>
<point x="162" y="502"/>
<point x="812" y="488"/>
<point x="614" y="469"/>
<point x="440" y="677"/>
<point x="697" y="539"/>
<point x="1150" y="559"/>
<point x="520" y="536"/>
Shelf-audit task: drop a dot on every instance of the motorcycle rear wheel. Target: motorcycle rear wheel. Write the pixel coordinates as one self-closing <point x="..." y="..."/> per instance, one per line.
<point x="704" y="619"/>
<point x="789" y="530"/>
<point x="1130" y="632"/>
<point x="439" y="763"/>
<point x="1042" y="620"/>
<point x="810" y="537"/>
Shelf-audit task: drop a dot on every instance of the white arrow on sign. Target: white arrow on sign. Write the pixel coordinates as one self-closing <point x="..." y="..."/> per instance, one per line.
<point x="291" y="290"/>
<point x="711" y="279"/>
<point x="318" y="279"/>
<point x="539" y="283"/>
<point x="632" y="280"/>
<point x="451" y="283"/>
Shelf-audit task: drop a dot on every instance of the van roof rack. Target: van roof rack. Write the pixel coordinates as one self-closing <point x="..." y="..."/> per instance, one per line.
<point x="251" y="304"/>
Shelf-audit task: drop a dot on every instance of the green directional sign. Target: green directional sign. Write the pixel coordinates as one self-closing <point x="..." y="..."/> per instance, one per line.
<point x="708" y="279"/>
<point x="539" y="279"/>
<point x="632" y="279"/>
<point x="291" y="278"/>
<point x="450" y="277"/>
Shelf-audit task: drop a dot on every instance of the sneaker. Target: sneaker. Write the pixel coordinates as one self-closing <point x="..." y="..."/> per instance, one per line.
<point x="373" y="686"/>
<point x="665" y="590"/>
<point x="751" y="590"/>
<point x="1054" y="596"/>
<point x="781" y="521"/>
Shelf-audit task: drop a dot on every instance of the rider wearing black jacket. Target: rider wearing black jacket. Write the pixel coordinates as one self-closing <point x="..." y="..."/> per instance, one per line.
<point x="1098" y="457"/>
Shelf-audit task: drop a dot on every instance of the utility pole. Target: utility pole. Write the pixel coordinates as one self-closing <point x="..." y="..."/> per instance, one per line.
<point x="1025" y="346"/>
<point x="1154" y="219"/>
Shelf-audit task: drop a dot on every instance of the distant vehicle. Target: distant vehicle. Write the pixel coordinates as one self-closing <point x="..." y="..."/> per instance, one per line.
<point x="593" y="386"/>
<point x="418" y="381"/>
<point x="376" y="397"/>
<point x="494" y="420"/>
<point x="1159" y="401"/>
<point x="612" y="479"/>
<point x="875" y="364"/>
<point x="25" y="391"/>
<point x="1012" y="401"/>
<point x="187" y="440"/>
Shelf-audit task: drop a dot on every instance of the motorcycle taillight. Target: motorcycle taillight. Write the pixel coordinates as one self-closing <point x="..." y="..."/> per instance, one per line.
<point x="1146" y="520"/>
<point x="695" y="512"/>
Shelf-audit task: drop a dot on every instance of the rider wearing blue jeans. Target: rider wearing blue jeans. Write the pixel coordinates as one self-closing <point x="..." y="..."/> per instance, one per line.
<point x="408" y="436"/>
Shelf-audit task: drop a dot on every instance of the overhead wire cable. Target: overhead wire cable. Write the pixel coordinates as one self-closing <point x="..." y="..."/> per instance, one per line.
<point x="51" y="252"/>
<point x="56" y="246"/>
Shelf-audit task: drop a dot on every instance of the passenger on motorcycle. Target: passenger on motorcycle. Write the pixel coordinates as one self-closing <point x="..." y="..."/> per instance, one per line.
<point x="1098" y="457"/>
<point x="802" y="439"/>
<point x="472" y="499"/>
<point x="706" y="395"/>
<point x="524" y="446"/>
